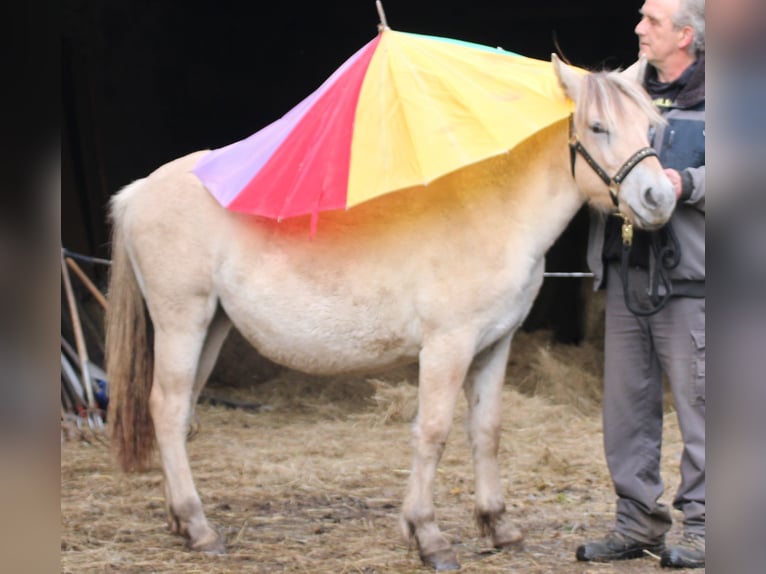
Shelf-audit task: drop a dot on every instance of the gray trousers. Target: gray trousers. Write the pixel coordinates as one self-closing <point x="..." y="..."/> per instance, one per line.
<point x="638" y="350"/>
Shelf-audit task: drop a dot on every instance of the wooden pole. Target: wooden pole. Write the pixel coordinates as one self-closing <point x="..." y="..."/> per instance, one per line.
<point x="78" y="335"/>
<point x="87" y="282"/>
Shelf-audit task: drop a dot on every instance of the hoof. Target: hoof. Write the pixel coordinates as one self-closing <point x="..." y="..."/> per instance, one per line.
<point x="217" y="549"/>
<point x="505" y="534"/>
<point x="441" y="560"/>
<point x="214" y="546"/>
<point x="510" y="542"/>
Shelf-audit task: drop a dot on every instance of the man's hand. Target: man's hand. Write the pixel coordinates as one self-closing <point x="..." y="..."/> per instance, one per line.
<point x="675" y="179"/>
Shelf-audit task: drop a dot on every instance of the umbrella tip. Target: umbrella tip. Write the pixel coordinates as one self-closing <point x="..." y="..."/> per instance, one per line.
<point x="383" y="22"/>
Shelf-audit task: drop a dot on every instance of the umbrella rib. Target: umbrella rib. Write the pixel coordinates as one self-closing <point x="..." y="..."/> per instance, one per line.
<point x="434" y="104"/>
<point x="437" y="61"/>
<point x="407" y="121"/>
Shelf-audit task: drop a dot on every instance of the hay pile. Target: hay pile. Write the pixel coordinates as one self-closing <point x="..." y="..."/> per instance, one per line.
<point x="314" y="482"/>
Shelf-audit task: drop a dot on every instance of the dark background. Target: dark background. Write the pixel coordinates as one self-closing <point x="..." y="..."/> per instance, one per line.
<point x="144" y="82"/>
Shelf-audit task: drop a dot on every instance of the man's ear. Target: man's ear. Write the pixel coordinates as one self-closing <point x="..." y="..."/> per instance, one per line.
<point x="687" y="37"/>
<point x="569" y="79"/>
<point x="637" y="70"/>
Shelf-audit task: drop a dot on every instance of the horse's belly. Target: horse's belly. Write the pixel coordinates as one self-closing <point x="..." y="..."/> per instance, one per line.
<point x="322" y="342"/>
<point x="329" y="309"/>
<point x="332" y="355"/>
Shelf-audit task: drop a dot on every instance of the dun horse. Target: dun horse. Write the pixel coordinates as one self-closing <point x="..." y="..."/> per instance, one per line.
<point x="444" y="275"/>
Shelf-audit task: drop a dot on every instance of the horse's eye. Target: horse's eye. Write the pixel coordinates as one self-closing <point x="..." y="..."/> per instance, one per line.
<point x="598" y="128"/>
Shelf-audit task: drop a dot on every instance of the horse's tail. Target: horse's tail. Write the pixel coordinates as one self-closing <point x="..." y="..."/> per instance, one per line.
<point x="129" y="351"/>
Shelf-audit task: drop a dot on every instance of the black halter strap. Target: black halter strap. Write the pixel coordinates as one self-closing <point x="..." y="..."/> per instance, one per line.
<point x="667" y="255"/>
<point x="613" y="183"/>
<point x="667" y="259"/>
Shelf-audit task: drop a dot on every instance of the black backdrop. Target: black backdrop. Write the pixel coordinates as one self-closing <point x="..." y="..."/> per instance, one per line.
<point x="146" y="81"/>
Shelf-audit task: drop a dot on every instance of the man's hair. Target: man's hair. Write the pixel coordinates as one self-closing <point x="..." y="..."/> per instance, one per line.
<point x="692" y="13"/>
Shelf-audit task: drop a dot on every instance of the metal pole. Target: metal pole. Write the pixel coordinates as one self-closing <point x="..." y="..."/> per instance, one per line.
<point x="381" y="13"/>
<point x="561" y="274"/>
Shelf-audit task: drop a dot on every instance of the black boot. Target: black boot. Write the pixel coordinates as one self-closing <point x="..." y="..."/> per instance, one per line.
<point x="616" y="546"/>
<point x="690" y="553"/>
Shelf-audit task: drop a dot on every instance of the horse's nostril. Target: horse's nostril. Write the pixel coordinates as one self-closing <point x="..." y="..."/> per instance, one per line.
<point x="649" y="198"/>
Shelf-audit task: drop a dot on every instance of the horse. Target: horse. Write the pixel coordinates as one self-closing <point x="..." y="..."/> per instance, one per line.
<point x="443" y="275"/>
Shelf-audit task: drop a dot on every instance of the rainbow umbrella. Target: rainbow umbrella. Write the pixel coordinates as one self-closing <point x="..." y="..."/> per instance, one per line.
<point x="401" y="112"/>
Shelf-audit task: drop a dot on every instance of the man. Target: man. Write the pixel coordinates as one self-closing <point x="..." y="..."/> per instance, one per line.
<point x="655" y="309"/>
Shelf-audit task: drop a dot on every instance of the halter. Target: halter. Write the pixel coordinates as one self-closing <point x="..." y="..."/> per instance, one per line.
<point x="668" y="257"/>
<point x="613" y="183"/>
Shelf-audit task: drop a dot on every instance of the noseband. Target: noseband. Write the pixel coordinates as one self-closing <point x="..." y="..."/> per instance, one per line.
<point x="613" y="183"/>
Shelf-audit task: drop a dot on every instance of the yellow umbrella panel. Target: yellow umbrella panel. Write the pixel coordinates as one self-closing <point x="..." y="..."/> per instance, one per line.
<point x="430" y="105"/>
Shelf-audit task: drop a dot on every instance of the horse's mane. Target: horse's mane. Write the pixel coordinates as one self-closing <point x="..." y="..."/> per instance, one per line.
<point x="601" y="89"/>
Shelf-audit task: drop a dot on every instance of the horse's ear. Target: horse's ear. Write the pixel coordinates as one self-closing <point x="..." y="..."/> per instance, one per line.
<point x="569" y="79"/>
<point x="636" y="71"/>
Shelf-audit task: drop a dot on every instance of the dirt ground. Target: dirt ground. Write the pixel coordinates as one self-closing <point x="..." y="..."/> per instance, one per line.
<point x="313" y="482"/>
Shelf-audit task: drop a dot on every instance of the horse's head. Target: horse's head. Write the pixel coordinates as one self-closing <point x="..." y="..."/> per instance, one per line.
<point x="610" y="131"/>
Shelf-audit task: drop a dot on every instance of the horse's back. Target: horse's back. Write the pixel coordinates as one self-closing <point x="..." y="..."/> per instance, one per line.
<point x="171" y="227"/>
<point x="170" y="184"/>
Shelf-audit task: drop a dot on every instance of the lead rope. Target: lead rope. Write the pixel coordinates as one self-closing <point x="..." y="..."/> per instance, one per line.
<point x="666" y="257"/>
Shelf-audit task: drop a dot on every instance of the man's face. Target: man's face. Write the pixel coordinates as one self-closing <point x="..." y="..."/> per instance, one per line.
<point x="658" y="38"/>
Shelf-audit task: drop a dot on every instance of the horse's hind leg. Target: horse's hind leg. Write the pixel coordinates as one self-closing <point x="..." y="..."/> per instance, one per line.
<point x="178" y="344"/>
<point x="216" y="335"/>
<point x="483" y="390"/>
<point x="443" y="365"/>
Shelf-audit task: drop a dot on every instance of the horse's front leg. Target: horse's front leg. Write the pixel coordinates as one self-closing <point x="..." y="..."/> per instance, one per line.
<point x="443" y="365"/>
<point x="176" y="357"/>
<point x="483" y="391"/>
